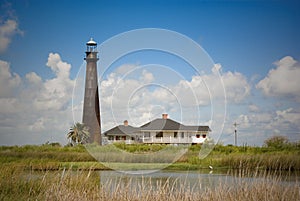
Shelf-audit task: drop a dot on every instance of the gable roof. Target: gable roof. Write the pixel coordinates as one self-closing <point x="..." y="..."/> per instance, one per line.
<point x="169" y="124"/>
<point x="161" y="124"/>
<point x="122" y="130"/>
<point x="196" y="128"/>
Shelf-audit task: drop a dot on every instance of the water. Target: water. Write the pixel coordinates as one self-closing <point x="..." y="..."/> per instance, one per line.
<point x="190" y="180"/>
<point x="186" y="181"/>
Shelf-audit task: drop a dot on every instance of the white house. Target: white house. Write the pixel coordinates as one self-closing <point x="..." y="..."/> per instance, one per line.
<point x="159" y="131"/>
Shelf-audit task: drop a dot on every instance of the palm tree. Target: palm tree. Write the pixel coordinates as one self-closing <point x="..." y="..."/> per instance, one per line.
<point x="79" y="134"/>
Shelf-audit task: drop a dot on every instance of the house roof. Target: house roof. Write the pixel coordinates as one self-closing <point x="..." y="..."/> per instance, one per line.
<point x="169" y="124"/>
<point x="122" y="130"/>
<point x="160" y="124"/>
<point x="196" y="128"/>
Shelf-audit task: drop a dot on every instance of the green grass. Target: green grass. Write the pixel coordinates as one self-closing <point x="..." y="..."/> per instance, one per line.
<point x="246" y="157"/>
<point x="57" y="157"/>
<point x="25" y="172"/>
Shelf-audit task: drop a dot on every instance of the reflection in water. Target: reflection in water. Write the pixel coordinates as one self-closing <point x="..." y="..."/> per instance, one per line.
<point x="186" y="180"/>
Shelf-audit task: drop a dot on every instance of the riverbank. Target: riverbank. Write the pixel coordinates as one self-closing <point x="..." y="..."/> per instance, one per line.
<point x="53" y="172"/>
<point x="55" y="157"/>
<point x="20" y="184"/>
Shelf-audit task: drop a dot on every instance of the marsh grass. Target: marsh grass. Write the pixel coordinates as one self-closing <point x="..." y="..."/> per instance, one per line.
<point x="277" y="161"/>
<point x="246" y="157"/>
<point x="146" y="153"/>
<point x="48" y="157"/>
<point x="17" y="184"/>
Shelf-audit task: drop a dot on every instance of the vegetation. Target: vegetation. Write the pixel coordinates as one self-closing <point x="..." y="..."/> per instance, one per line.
<point x="86" y="185"/>
<point x="25" y="172"/>
<point x="246" y="157"/>
<point x="141" y="148"/>
<point x="53" y="156"/>
<point x="79" y="134"/>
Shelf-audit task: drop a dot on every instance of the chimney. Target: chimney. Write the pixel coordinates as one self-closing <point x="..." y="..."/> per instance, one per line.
<point x="125" y="123"/>
<point x="165" y="116"/>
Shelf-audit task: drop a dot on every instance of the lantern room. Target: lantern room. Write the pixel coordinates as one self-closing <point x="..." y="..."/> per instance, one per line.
<point x="91" y="46"/>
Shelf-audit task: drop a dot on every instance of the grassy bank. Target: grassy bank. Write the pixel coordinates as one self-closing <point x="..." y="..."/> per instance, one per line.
<point x="55" y="157"/>
<point x="86" y="185"/>
<point x="246" y="157"/>
<point x="25" y="174"/>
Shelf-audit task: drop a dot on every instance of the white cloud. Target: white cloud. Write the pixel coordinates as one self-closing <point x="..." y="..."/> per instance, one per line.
<point x="236" y="86"/>
<point x="209" y="86"/>
<point x="7" y="30"/>
<point x="253" y="108"/>
<point x="9" y="82"/>
<point x="125" y="68"/>
<point x="9" y="105"/>
<point x="38" y="125"/>
<point x="255" y="127"/>
<point x="60" y="68"/>
<point x="283" y="81"/>
<point x="55" y="93"/>
<point x="147" y="77"/>
<point x="142" y="97"/>
<point x="33" y="78"/>
<point x="126" y="98"/>
<point x="41" y="108"/>
<point x="288" y="116"/>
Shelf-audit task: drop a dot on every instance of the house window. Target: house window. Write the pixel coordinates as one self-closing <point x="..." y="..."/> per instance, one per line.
<point x="182" y="134"/>
<point x="198" y="136"/>
<point x="110" y="137"/>
<point x="117" y="137"/>
<point x="123" y="137"/>
<point x="204" y="135"/>
<point x="159" y="134"/>
<point x="146" y="134"/>
<point x="175" y="135"/>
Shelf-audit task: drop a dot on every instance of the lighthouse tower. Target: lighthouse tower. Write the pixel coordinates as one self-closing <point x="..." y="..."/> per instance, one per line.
<point x="91" y="109"/>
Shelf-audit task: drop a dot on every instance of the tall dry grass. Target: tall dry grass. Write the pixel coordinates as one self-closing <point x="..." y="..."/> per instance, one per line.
<point x="279" y="161"/>
<point x="17" y="184"/>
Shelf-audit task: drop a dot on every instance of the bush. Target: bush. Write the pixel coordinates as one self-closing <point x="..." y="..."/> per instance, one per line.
<point x="277" y="142"/>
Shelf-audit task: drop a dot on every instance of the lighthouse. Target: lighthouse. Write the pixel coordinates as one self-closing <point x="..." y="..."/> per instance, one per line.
<point x="91" y="109"/>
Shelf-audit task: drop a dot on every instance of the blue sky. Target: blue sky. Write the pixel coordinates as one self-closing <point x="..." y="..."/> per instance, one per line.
<point x="246" y="38"/>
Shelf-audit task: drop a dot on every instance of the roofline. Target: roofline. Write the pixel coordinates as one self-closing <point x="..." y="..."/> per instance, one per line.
<point x="178" y="130"/>
<point x="141" y="129"/>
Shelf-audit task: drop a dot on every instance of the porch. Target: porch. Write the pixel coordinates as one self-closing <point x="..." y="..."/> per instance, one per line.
<point x="173" y="140"/>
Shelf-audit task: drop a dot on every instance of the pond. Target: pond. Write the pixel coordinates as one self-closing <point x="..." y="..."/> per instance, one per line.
<point x="194" y="180"/>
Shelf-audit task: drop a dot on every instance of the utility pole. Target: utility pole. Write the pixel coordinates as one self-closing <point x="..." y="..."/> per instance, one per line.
<point x="235" y="133"/>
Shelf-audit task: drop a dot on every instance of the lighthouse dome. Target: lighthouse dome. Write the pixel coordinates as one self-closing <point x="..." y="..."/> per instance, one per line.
<point x="91" y="42"/>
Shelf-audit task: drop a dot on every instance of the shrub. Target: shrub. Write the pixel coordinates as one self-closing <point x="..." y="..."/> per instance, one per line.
<point x="277" y="142"/>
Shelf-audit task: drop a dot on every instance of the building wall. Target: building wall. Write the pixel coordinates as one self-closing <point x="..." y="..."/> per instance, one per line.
<point x="167" y="137"/>
<point x="172" y="137"/>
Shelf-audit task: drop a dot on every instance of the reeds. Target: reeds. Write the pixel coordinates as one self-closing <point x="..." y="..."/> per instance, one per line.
<point x="17" y="184"/>
<point x="47" y="157"/>
<point x="277" y="161"/>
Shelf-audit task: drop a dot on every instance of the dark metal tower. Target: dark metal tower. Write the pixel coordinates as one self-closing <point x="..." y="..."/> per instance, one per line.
<point x="91" y="109"/>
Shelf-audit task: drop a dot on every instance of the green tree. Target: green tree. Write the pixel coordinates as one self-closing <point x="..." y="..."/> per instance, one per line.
<point x="78" y="134"/>
<point x="277" y="142"/>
